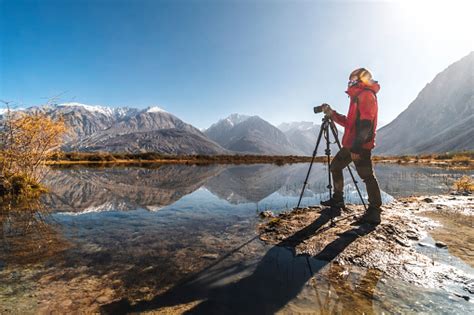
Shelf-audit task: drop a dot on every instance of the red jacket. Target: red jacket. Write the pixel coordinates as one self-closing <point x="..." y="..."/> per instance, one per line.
<point x="363" y="100"/>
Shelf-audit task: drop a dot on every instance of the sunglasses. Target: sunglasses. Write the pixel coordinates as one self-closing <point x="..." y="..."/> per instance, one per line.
<point x="352" y="82"/>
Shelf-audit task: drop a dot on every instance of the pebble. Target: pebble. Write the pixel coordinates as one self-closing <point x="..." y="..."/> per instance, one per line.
<point x="428" y="200"/>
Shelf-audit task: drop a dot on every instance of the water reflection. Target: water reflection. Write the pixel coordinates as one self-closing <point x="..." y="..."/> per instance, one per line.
<point x="121" y="248"/>
<point x="276" y="280"/>
<point x="85" y="190"/>
<point x="26" y="236"/>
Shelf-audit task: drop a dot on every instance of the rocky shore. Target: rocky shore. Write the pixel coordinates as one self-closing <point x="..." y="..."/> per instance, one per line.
<point x="401" y="247"/>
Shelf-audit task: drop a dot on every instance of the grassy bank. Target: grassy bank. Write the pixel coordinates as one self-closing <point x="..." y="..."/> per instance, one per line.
<point x="150" y="157"/>
<point x="458" y="160"/>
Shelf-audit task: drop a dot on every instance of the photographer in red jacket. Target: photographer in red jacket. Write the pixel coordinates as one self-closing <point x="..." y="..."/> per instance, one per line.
<point x="358" y="141"/>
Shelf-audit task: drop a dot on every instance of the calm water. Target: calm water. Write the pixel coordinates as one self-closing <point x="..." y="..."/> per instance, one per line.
<point x="134" y="233"/>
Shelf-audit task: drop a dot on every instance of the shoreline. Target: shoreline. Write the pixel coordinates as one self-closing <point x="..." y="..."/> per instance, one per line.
<point x="412" y="244"/>
<point x="461" y="162"/>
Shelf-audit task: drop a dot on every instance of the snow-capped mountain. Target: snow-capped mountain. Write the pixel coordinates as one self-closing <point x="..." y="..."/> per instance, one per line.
<point x="123" y="129"/>
<point x="250" y="134"/>
<point x="440" y="119"/>
<point x="221" y="131"/>
<point x="303" y="135"/>
<point x="297" y="125"/>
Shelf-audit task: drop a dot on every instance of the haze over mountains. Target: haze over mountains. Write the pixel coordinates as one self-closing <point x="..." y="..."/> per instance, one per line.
<point x="440" y="119"/>
<point x="251" y="134"/>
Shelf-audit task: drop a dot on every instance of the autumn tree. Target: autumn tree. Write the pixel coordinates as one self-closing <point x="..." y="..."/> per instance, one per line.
<point x="26" y="140"/>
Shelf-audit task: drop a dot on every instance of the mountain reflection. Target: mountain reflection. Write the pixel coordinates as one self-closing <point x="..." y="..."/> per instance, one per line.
<point x="129" y="188"/>
<point x="102" y="189"/>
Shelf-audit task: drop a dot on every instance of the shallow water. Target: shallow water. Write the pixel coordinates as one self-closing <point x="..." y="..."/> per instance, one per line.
<point x="173" y="235"/>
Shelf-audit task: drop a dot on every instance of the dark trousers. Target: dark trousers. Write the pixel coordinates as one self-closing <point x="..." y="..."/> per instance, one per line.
<point x="364" y="169"/>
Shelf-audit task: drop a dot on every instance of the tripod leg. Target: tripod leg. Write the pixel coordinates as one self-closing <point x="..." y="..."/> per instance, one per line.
<point x="328" y="155"/>
<point x="310" y="165"/>
<point x="334" y="132"/>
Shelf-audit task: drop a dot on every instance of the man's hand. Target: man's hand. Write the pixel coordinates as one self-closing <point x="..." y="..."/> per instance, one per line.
<point x="326" y="109"/>
<point x="355" y="156"/>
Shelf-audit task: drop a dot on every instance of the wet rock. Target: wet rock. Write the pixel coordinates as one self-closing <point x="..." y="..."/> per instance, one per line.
<point x="465" y="297"/>
<point x="402" y="242"/>
<point x="469" y="288"/>
<point x="267" y="214"/>
<point x="413" y="237"/>
<point x="425" y="244"/>
<point x="210" y="256"/>
<point x="441" y="244"/>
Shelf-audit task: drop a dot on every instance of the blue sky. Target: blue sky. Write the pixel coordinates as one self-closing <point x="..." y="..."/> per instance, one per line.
<point x="203" y="60"/>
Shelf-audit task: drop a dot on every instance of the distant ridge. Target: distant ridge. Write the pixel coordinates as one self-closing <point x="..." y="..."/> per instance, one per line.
<point x="440" y="119"/>
<point x="251" y="134"/>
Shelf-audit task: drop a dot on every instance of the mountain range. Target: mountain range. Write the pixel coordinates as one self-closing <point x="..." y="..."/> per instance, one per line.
<point x="440" y="119"/>
<point x="251" y="134"/>
<point x="100" y="128"/>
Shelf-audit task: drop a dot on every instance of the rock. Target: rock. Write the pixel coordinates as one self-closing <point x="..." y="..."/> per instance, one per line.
<point x="267" y="214"/>
<point x="210" y="256"/>
<point x="144" y="289"/>
<point x="66" y="303"/>
<point x="465" y="297"/>
<point x="441" y="244"/>
<point x="413" y="237"/>
<point x="103" y="299"/>
<point x="439" y="207"/>
<point x="428" y="200"/>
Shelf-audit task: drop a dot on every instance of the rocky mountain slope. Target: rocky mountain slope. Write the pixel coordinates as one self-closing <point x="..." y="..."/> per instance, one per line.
<point x="100" y="128"/>
<point x="440" y="119"/>
<point x="251" y="134"/>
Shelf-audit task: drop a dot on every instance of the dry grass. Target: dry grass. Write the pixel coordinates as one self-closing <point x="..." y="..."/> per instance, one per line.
<point x="460" y="160"/>
<point x="464" y="184"/>
<point x="104" y="158"/>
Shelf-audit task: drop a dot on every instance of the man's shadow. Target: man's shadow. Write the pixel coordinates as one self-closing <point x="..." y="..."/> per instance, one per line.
<point x="277" y="279"/>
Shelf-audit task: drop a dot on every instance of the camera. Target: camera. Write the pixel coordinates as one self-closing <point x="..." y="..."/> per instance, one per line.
<point x="320" y="108"/>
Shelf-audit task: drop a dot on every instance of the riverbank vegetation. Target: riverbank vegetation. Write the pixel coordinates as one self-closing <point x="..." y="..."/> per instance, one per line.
<point x="67" y="158"/>
<point x="460" y="160"/>
<point x="26" y="140"/>
<point x="456" y="160"/>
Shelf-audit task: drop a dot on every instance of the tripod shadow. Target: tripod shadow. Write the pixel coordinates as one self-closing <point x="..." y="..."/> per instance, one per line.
<point x="262" y="289"/>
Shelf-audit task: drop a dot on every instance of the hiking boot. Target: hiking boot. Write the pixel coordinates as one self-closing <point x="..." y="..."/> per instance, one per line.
<point x="371" y="216"/>
<point x="334" y="203"/>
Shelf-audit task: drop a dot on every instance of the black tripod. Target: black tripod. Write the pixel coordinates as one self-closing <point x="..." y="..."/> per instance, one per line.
<point x="328" y="124"/>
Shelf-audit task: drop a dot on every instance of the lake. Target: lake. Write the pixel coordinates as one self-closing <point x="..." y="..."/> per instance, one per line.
<point x="181" y="238"/>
